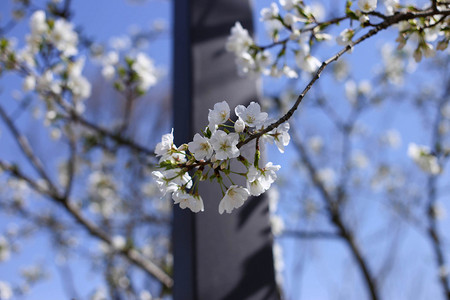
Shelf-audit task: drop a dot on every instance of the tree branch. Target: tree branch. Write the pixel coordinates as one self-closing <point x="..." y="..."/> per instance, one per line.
<point x="378" y="27"/>
<point x="334" y="214"/>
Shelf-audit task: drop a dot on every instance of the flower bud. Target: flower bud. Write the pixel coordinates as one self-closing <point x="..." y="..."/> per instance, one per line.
<point x="239" y="126"/>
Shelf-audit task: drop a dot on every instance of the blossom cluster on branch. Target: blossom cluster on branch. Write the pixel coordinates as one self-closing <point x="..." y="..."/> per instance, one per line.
<point x="294" y="27"/>
<point x="221" y="143"/>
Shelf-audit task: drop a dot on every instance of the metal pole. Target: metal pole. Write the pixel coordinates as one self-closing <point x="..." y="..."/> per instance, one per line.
<point x="215" y="256"/>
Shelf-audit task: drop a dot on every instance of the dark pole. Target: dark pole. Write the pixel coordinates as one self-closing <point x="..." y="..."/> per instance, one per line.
<point x="215" y="256"/>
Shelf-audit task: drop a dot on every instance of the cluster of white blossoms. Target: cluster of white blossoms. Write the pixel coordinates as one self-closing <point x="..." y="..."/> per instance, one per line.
<point x="213" y="151"/>
<point x="294" y="27"/>
<point x="254" y="59"/>
<point x="49" y="60"/>
<point x="139" y="70"/>
<point x="424" y="158"/>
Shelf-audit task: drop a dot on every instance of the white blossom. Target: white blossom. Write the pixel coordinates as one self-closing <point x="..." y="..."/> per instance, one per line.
<point x="367" y="5"/>
<point x="239" y="40"/>
<point x="218" y="115"/>
<point x="29" y="83"/>
<point x="64" y="37"/>
<point x="6" y="292"/>
<point x="251" y="115"/>
<point x="118" y="242"/>
<point x="145" y="69"/>
<point x="239" y="125"/>
<point x="307" y="62"/>
<point x="79" y="85"/>
<point x="225" y="144"/>
<point x="276" y="224"/>
<point x="259" y="181"/>
<point x="289" y="4"/>
<point x="345" y="37"/>
<point x="165" y="185"/>
<point x="290" y="19"/>
<point x="423" y="157"/>
<point x="281" y="136"/>
<point x="234" y="198"/>
<point x="200" y="147"/>
<point x="269" y="13"/>
<point x="38" y="24"/>
<point x="391" y="6"/>
<point x="194" y="203"/>
<point x="269" y="172"/>
<point x="289" y="72"/>
<point x="165" y="147"/>
<point x="109" y="61"/>
<point x="256" y="185"/>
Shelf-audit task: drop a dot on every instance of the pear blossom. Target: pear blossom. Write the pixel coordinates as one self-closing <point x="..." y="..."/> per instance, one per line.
<point x="273" y="27"/>
<point x="276" y="224"/>
<point x="345" y="37"/>
<point x="145" y="69"/>
<point x="281" y="136"/>
<point x="79" y="85"/>
<point x="259" y="181"/>
<point x="239" y="125"/>
<point x="256" y="185"/>
<point x="200" y="147"/>
<point x="269" y="13"/>
<point x="165" y="185"/>
<point x="29" y="83"/>
<point x="307" y="62"/>
<point x="245" y="63"/>
<point x="6" y="292"/>
<point x="391" y="6"/>
<point x="64" y="37"/>
<point x="251" y="115"/>
<point x="269" y="172"/>
<point x="239" y="40"/>
<point x="165" y="147"/>
<point x="109" y="61"/>
<point x="38" y="23"/>
<point x="194" y="203"/>
<point x="218" y="115"/>
<point x="289" y="4"/>
<point x="289" y="72"/>
<point x="290" y="19"/>
<point x="367" y="5"/>
<point x="179" y="177"/>
<point x="234" y="197"/>
<point x="46" y="83"/>
<point x="225" y="144"/>
<point x="423" y="157"/>
<point x="118" y="242"/>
